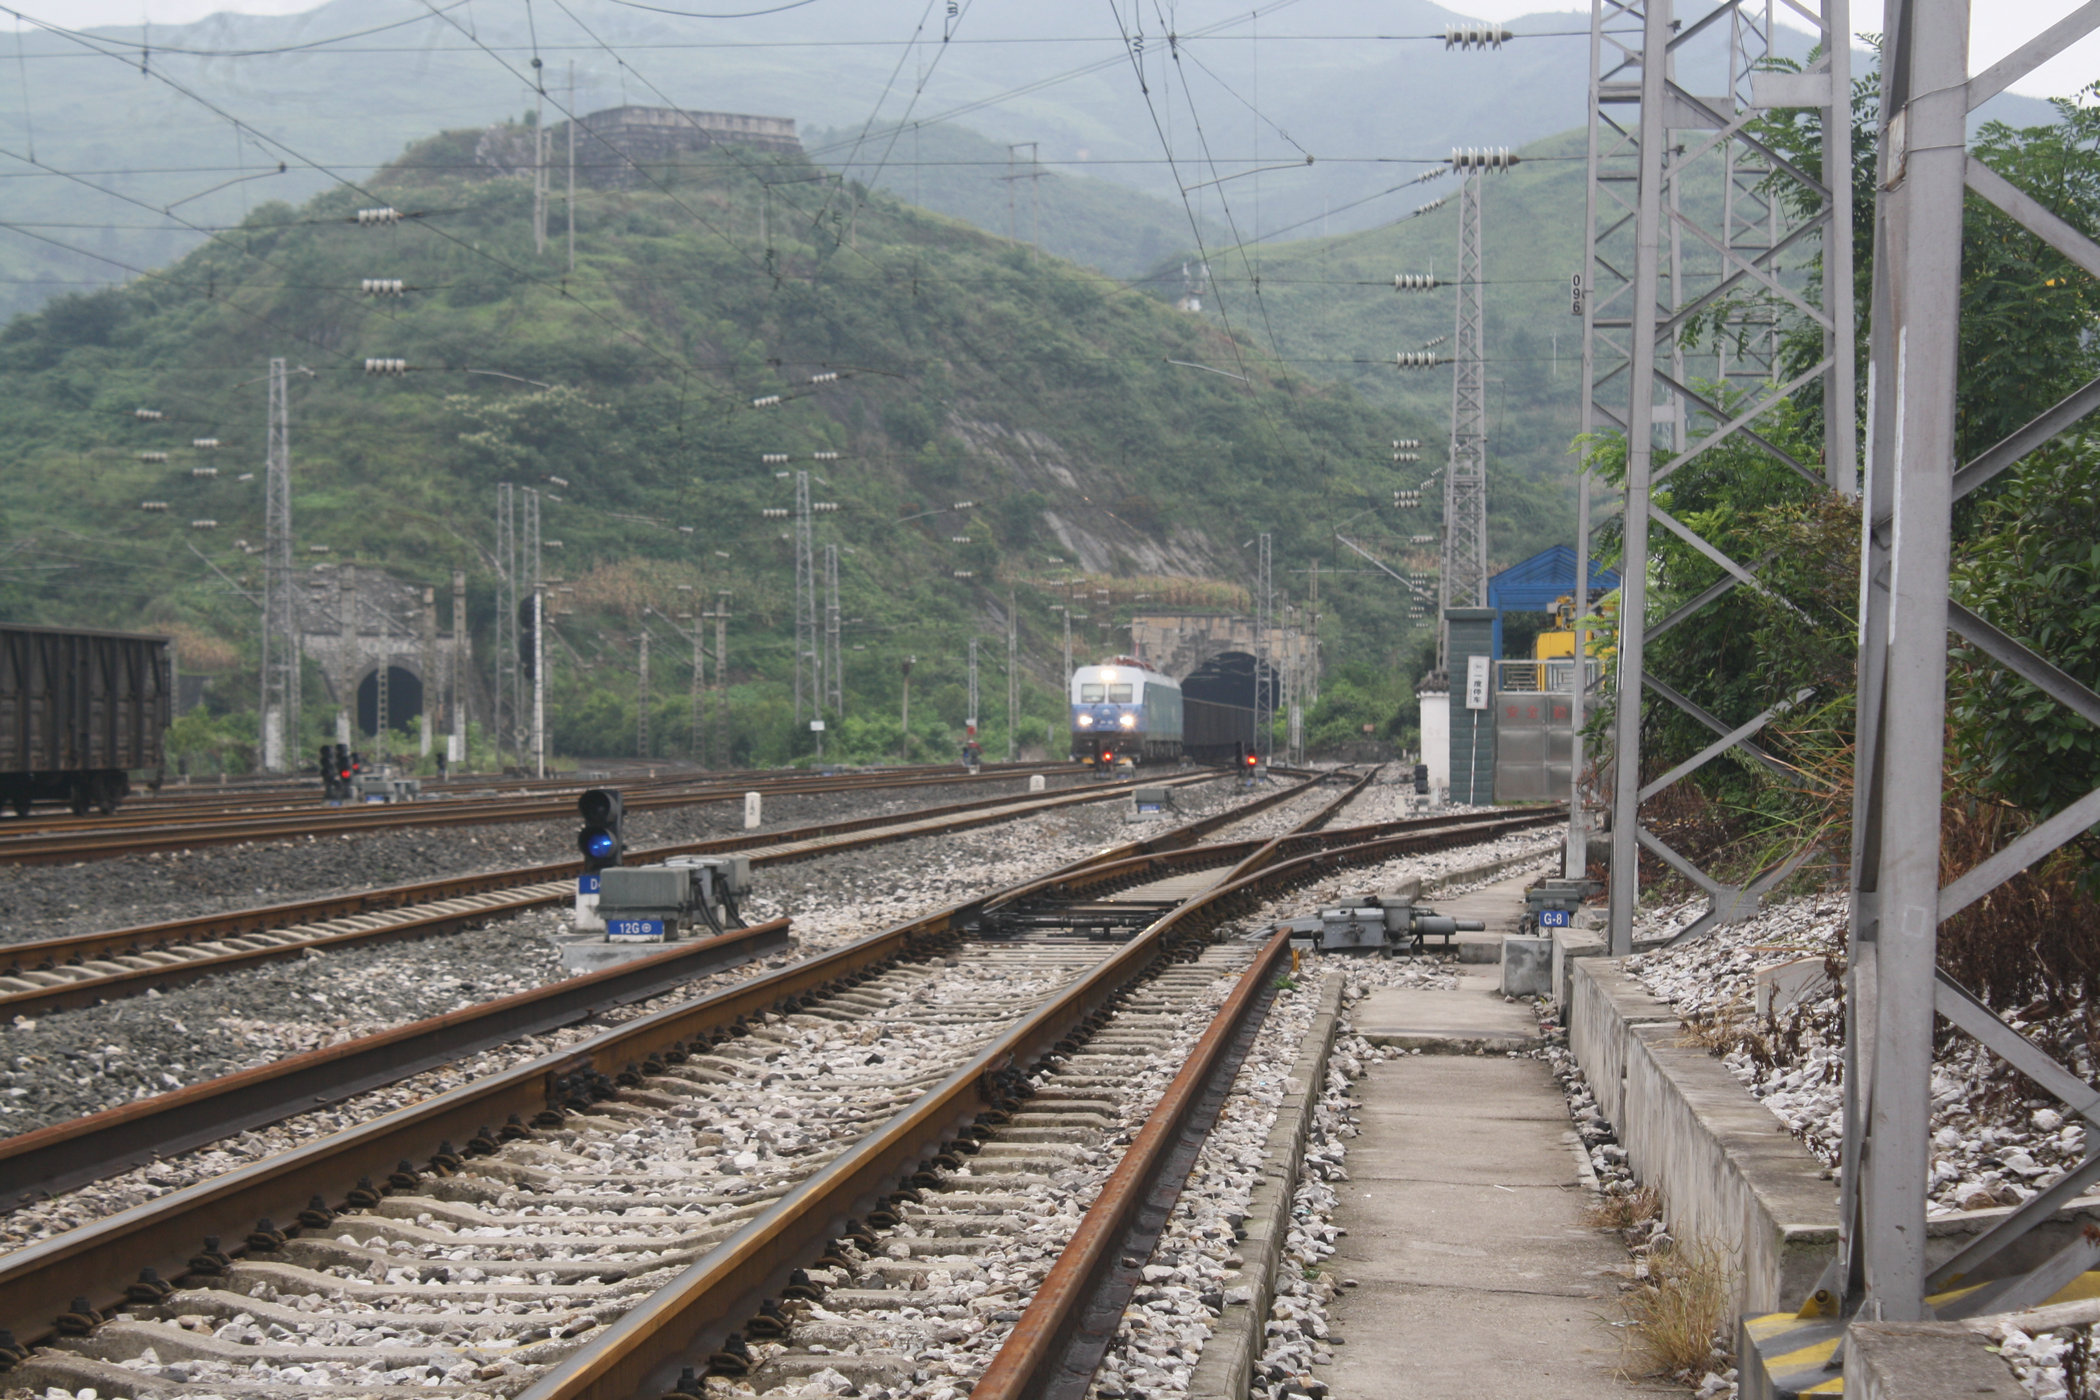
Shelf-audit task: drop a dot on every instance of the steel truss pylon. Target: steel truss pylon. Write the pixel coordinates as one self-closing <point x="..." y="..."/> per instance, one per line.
<point x="1913" y="482"/>
<point x="1462" y="582"/>
<point x="279" y="714"/>
<point x="1659" y="151"/>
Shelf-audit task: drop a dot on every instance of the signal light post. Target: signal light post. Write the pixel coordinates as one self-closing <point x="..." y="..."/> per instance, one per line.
<point x="603" y="841"/>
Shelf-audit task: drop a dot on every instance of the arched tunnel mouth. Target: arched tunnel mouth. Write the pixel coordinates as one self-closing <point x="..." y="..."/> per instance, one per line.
<point x="404" y="700"/>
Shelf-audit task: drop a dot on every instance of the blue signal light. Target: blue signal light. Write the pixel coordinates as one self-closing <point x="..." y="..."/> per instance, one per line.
<point x="598" y="845"/>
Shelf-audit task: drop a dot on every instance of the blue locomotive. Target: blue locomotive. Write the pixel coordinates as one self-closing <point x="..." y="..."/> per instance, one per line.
<point x="1124" y="709"/>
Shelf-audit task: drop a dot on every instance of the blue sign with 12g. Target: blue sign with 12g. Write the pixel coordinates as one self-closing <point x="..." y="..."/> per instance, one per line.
<point x="634" y="928"/>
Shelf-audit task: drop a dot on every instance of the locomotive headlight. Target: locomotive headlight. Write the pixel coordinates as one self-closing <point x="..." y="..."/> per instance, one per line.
<point x="1128" y="721"/>
<point x="1086" y="721"/>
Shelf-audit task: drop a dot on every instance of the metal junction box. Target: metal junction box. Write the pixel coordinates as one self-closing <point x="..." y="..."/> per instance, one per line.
<point x="651" y="903"/>
<point x="1554" y="903"/>
<point x="1152" y="800"/>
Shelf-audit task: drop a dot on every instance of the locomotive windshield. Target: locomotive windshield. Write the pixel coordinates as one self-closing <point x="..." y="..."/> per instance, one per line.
<point x="1090" y="694"/>
<point x="1119" y="694"/>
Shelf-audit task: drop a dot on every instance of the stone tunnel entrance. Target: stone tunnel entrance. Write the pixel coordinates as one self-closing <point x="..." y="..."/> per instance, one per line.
<point x="404" y="700"/>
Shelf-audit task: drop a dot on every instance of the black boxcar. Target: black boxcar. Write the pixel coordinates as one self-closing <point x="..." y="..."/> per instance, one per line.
<point x="1214" y="733"/>
<point x="79" y="713"/>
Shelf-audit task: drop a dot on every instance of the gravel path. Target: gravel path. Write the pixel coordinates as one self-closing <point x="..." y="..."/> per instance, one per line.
<point x="77" y="1062"/>
<point x="52" y="901"/>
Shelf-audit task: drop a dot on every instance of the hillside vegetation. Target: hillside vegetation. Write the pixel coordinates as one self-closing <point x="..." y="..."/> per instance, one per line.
<point x="969" y="370"/>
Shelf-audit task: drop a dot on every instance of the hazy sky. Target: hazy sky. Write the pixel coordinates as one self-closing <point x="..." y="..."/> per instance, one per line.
<point x="1995" y="28"/>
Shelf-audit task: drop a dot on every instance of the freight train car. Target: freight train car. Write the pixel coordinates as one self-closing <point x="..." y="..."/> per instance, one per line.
<point x="79" y="713"/>
<point x="1215" y="733"/>
<point x="1124" y="709"/>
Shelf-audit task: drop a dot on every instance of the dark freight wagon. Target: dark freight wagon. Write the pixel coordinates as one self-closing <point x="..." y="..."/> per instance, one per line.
<point x="1214" y="733"/>
<point x="79" y="713"/>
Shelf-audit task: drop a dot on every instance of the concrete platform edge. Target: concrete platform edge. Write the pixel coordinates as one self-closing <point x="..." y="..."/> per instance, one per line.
<point x="1922" y="1361"/>
<point x="1225" y="1368"/>
<point x="1727" y="1168"/>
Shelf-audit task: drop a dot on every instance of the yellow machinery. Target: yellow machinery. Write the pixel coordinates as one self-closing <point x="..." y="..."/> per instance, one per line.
<point x="1558" y="642"/>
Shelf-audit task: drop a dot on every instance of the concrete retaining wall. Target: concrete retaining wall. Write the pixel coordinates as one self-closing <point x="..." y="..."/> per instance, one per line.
<point x="1727" y="1169"/>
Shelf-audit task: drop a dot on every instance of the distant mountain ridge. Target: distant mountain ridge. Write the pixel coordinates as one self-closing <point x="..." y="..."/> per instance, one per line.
<point x="126" y="165"/>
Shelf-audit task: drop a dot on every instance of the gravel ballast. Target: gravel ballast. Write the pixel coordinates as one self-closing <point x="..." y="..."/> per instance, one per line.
<point x="54" y="901"/>
<point x="78" y="1062"/>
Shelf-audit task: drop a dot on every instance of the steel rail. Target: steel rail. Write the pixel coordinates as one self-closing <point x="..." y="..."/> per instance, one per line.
<point x="641" y="1355"/>
<point x="94" y="1260"/>
<point x="1056" y="1346"/>
<point x="63" y="1155"/>
<point x="441" y="903"/>
<point x="1038" y="1357"/>
<point x="205" y="804"/>
<point x="57" y="1158"/>
<point x="35" y="848"/>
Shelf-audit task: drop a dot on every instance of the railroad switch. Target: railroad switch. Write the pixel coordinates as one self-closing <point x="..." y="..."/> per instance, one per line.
<point x="1378" y="923"/>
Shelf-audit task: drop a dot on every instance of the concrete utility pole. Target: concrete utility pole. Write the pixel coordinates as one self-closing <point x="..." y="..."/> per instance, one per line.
<point x="695" y="720"/>
<point x="1648" y="140"/>
<point x="1264" y="658"/>
<point x="509" y="677"/>
<point x="809" y="661"/>
<point x="1068" y="632"/>
<point x="904" y="714"/>
<point x="539" y="682"/>
<point x="1463" y="582"/>
<point x="1033" y="175"/>
<point x="456" y="691"/>
<point x="536" y="593"/>
<point x="721" y="703"/>
<point x="427" y="661"/>
<point x="539" y="161"/>
<point x="382" y="685"/>
<point x="279" y="710"/>
<point x="348" y="655"/>
<point x="1013" y="677"/>
<point x="641" y="701"/>
<point x="834" y="660"/>
<point x="971" y="722"/>
<point x="569" y="204"/>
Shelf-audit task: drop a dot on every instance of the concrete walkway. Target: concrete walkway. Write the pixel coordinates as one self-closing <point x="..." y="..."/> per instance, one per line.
<point x="1476" y="1276"/>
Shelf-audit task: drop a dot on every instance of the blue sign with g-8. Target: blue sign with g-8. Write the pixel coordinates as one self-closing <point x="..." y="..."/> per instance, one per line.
<point x="637" y="929"/>
<point x="1553" y="918"/>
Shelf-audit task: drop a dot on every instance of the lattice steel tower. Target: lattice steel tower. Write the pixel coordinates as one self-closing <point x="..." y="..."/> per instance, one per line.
<point x="1659" y="154"/>
<point x="280" y="624"/>
<point x="1463" y="581"/>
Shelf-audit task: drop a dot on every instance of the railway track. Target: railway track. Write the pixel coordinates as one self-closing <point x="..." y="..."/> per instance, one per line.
<point x="43" y="843"/>
<point x="601" y="1221"/>
<point x="78" y="970"/>
<point x="304" y="796"/>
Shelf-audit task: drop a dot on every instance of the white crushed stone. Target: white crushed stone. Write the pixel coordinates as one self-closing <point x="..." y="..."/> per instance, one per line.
<point x="1990" y="1145"/>
<point x="834" y="900"/>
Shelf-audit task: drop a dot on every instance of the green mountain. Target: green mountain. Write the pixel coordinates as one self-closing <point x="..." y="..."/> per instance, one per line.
<point x="1098" y="433"/>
